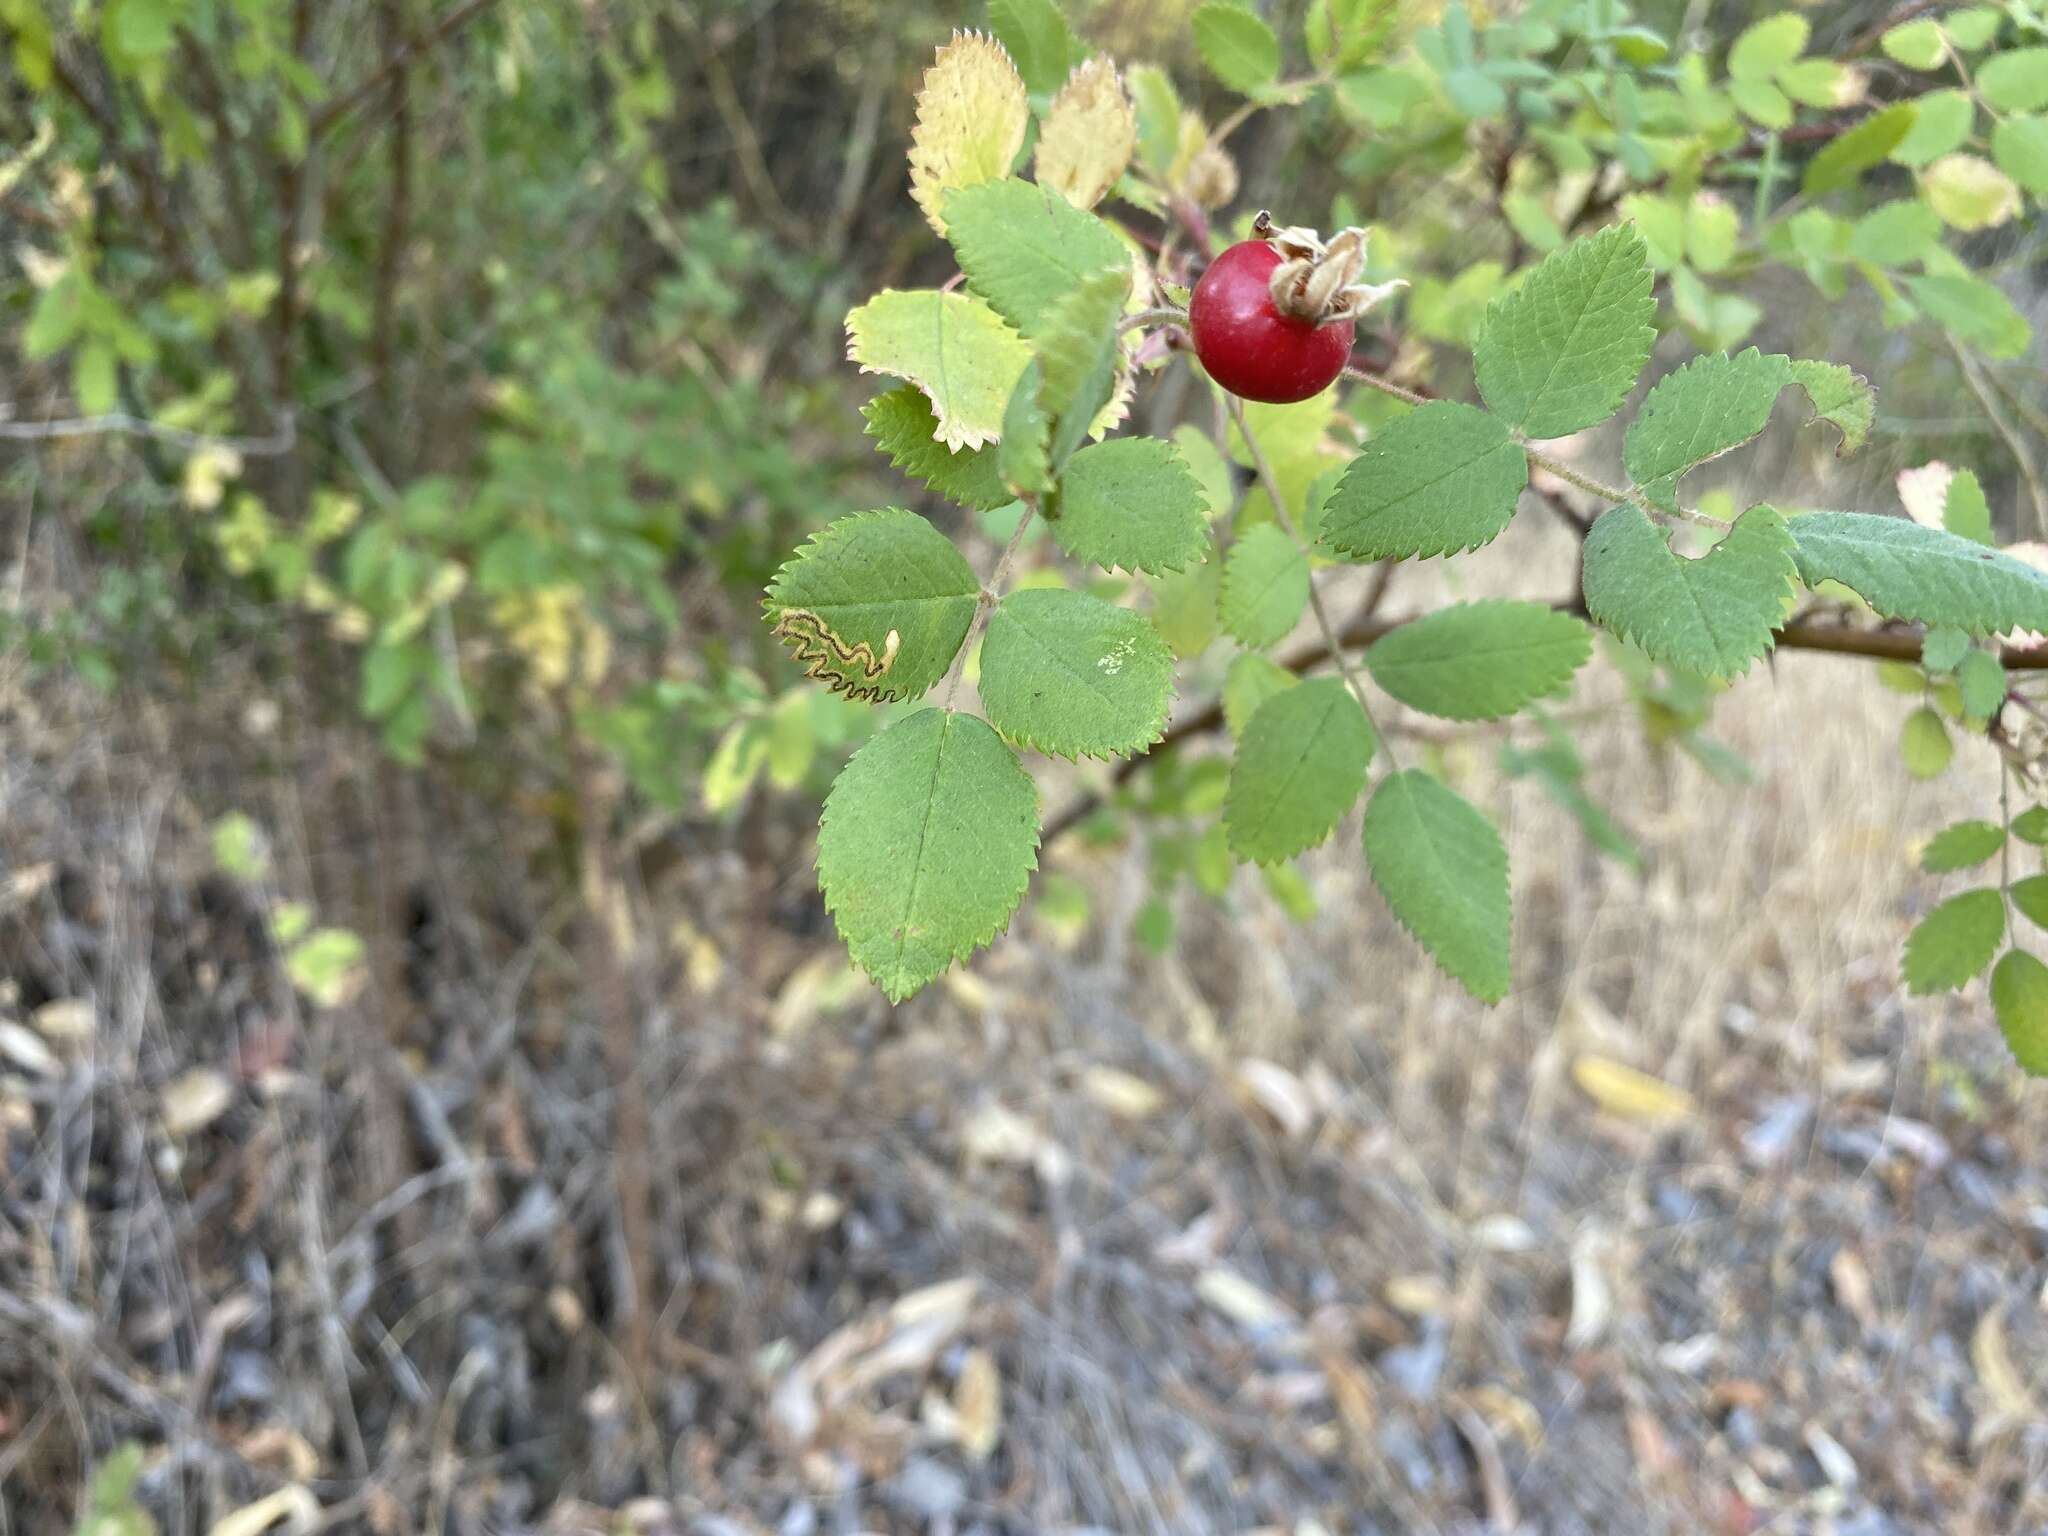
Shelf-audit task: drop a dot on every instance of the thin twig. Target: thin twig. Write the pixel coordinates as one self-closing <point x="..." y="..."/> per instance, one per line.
<point x="2015" y="440"/>
<point x="1315" y="598"/>
<point x="338" y="106"/>
<point x="1385" y="386"/>
<point x="121" y="424"/>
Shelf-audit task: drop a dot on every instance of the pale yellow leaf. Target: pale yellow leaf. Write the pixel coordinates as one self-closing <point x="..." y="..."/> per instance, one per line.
<point x="1622" y="1090"/>
<point x="1592" y="1297"/>
<point x="1126" y="1096"/>
<point x="292" y="1504"/>
<point x="194" y="1101"/>
<point x="22" y="1048"/>
<point x="66" y="1020"/>
<point x="1088" y="135"/>
<point x="971" y="116"/>
<point x="1244" y="1303"/>
<point x="1969" y="192"/>
<point x="1279" y="1093"/>
<point x="2013" y="1405"/>
<point x="978" y="1405"/>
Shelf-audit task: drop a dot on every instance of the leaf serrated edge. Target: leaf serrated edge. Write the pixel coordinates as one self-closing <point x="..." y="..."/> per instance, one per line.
<point x="1632" y="634"/>
<point x="1224" y="589"/>
<point x="970" y="36"/>
<point x="1506" y="879"/>
<point x="960" y="951"/>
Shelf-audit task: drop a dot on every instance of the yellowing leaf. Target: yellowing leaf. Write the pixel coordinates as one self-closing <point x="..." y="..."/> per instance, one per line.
<point x="194" y="1101"/>
<point x="1970" y="192"/>
<point x="971" y="116"/>
<point x="1924" y="491"/>
<point x="950" y="345"/>
<point x="1124" y="1095"/>
<point x="292" y="1504"/>
<point x="978" y="1405"/>
<point x="1622" y="1090"/>
<point x="1088" y="135"/>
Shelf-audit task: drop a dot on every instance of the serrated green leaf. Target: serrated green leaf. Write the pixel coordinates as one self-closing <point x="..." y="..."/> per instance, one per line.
<point x="1707" y="408"/>
<point x="1442" y="479"/>
<point x="1480" y="661"/>
<point x="926" y="843"/>
<point x="1265" y="586"/>
<point x="1897" y="234"/>
<point x="1926" y="575"/>
<point x="952" y="346"/>
<point x="1915" y="44"/>
<point x="1941" y="121"/>
<point x="1210" y="469"/>
<point x="2031" y="825"/>
<point x="1444" y="872"/>
<point x="1762" y="102"/>
<point x="1038" y="40"/>
<point x="1954" y="942"/>
<point x="2015" y="80"/>
<point x="2019" y="996"/>
<point x="1976" y="310"/>
<point x="1924" y="745"/>
<point x="1962" y="846"/>
<point x="903" y="427"/>
<point x="1131" y="504"/>
<point x="1299" y="766"/>
<point x="1158" y="105"/>
<point x="2020" y="146"/>
<point x="1251" y="680"/>
<point x="1022" y="460"/>
<point x="1768" y="46"/>
<point x="1238" y="47"/>
<point x="1821" y="83"/>
<point x="1973" y="26"/>
<point x="1071" y="675"/>
<point x="1849" y="155"/>
<point x="1184" y="607"/>
<point x="1839" y="396"/>
<point x="1712" y="228"/>
<point x="1713" y="615"/>
<point x="1943" y="649"/>
<point x="1562" y="351"/>
<point x="1077" y="349"/>
<point x="863" y="578"/>
<point x="1981" y="677"/>
<point x="1024" y="246"/>
<point x="2030" y="899"/>
<point x="1289" y="887"/>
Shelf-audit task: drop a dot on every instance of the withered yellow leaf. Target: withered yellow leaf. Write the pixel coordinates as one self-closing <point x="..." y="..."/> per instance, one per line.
<point x="971" y="116"/>
<point x="1089" y="135"/>
<point x="1622" y="1090"/>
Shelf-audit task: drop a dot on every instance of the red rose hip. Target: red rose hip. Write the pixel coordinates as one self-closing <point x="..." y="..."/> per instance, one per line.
<point x="1273" y="317"/>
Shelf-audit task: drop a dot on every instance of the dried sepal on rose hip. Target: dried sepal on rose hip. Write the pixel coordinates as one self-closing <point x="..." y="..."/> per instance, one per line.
<point x="1273" y="317"/>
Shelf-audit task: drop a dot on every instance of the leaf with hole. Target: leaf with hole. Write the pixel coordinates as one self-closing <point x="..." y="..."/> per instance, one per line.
<point x="1713" y="615"/>
<point x="952" y="346"/>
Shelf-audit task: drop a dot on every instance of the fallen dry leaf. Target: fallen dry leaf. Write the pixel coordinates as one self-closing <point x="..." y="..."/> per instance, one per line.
<point x="1622" y="1090"/>
<point x="1592" y="1298"/>
<point x="26" y="1050"/>
<point x="2012" y="1404"/>
<point x="67" y="1020"/>
<point x="1244" y="1303"/>
<point x="291" y="1503"/>
<point x="194" y="1100"/>
<point x="1282" y="1095"/>
<point x="978" y="1405"/>
<point x="1850" y="1280"/>
<point x="1123" y="1094"/>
